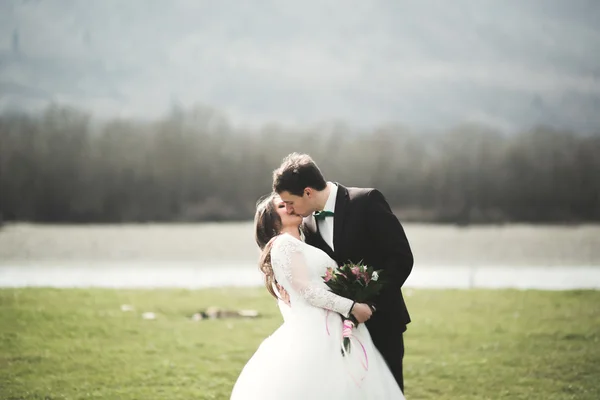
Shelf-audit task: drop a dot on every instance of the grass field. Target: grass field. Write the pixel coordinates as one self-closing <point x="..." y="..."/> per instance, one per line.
<point x="78" y="344"/>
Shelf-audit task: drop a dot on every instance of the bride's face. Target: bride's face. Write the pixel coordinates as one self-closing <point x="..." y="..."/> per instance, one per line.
<point x="287" y="219"/>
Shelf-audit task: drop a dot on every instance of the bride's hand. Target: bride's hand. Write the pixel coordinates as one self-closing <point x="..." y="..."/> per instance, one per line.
<point x="362" y="312"/>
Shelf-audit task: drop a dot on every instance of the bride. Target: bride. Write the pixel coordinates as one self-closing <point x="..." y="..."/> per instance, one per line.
<point x="302" y="359"/>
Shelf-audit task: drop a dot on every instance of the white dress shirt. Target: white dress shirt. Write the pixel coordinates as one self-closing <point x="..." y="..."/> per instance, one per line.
<point x="326" y="225"/>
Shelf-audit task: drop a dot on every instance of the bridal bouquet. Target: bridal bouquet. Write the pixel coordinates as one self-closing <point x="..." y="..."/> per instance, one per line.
<point x="358" y="282"/>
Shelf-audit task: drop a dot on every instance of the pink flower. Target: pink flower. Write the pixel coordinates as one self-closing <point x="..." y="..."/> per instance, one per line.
<point x="328" y="274"/>
<point x="356" y="270"/>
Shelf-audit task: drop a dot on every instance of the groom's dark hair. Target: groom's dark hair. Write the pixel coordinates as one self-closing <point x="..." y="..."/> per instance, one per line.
<point x="296" y="173"/>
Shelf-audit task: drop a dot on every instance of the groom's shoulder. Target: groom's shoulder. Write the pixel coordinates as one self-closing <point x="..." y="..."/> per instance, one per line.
<point x="359" y="193"/>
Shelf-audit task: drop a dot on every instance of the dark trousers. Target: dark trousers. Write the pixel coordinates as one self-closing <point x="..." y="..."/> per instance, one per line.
<point x="393" y="353"/>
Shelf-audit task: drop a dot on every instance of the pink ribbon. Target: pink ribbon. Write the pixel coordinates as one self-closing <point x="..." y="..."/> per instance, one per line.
<point x="347" y="329"/>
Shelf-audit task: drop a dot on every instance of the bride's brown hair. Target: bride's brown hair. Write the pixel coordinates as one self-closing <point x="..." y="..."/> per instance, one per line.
<point x="267" y="225"/>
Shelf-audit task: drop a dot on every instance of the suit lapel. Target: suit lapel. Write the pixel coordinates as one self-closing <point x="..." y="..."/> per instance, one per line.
<point x="310" y="224"/>
<point x="314" y="237"/>
<point x="341" y="203"/>
<point x="312" y="228"/>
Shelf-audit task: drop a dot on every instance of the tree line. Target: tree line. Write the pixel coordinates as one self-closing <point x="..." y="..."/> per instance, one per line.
<point x="62" y="166"/>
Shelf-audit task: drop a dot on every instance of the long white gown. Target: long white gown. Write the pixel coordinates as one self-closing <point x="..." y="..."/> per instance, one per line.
<point x="302" y="359"/>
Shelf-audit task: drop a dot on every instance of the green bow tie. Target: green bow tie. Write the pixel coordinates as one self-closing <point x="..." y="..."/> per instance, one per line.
<point x="320" y="215"/>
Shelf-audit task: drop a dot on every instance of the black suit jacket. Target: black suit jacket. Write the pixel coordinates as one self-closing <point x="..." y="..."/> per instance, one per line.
<point x="365" y="229"/>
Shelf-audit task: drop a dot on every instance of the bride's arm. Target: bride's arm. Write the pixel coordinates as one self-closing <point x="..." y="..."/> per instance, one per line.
<point x="288" y="260"/>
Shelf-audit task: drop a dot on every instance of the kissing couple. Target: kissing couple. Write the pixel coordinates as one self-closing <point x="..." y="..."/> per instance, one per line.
<point x="304" y="227"/>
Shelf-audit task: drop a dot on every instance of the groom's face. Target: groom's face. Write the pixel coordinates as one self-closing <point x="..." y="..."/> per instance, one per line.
<point x="299" y="205"/>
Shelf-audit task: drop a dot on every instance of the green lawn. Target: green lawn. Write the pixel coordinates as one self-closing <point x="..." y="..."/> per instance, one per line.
<point x="78" y="344"/>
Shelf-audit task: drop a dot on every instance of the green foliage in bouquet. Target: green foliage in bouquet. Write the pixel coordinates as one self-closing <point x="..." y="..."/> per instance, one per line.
<point x="357" y="282"/>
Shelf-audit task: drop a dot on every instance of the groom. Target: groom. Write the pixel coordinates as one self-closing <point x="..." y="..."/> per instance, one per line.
<point x="354" y="224"/>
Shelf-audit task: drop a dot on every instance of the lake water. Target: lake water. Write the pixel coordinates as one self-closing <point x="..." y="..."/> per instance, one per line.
<point x="211" y="255"/>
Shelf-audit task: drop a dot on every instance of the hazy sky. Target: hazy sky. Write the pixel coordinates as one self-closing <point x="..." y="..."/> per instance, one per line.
<point x="508" y="63"/>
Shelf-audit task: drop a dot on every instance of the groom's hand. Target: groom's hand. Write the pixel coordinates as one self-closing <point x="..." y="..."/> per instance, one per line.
<point x="285" y="297"/>
<point x="362" y="312"/>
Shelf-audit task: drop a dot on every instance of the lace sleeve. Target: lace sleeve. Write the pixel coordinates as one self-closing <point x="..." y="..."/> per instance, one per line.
<point x="289" y="261"/>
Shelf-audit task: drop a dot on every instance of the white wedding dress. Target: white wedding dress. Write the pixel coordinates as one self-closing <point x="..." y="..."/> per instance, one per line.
<point x="302" y="359"/>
